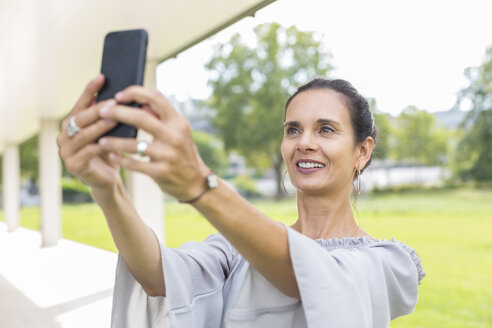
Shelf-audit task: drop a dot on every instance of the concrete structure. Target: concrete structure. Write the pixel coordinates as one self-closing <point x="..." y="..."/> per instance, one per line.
<point x="11" y="177"/>
<point x="69" y="285"/>
<point x="403" y="175"/>
<point x="50" y="182"/>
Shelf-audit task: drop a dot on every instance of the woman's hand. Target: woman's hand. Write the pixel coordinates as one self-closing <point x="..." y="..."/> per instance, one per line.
<point x="174" y="162"/>
<point x="83" y="157"/>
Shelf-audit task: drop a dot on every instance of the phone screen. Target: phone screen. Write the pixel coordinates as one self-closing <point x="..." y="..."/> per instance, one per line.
<point x="123" y="64"/>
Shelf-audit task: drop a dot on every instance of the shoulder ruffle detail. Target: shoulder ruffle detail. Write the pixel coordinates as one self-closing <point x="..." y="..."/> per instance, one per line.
<point x="413" y="254"/>
<point x="345" y="242"/>
<point x="363" y="241"/>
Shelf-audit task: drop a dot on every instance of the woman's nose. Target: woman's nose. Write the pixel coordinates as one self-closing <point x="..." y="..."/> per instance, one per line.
<point x="307" y="142"/>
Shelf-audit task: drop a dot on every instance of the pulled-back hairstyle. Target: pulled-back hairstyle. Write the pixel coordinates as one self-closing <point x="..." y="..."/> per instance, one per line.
<point x="360" y="115"/>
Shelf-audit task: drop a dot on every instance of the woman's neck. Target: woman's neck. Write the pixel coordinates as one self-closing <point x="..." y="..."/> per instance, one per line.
<point x="322" y="216"/>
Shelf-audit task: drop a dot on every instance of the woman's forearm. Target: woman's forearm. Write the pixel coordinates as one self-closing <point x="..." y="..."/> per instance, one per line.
<point x="260" y="240"/>
<point x="135" y="241"/>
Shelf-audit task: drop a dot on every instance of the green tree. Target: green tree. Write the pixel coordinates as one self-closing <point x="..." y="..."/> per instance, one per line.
<point x="1" y="171"/>
<point x="474" y="152"/>
<point x="29" y="159"/>
<point x="383" y="128"/>
<point x="418" y="140"/>
<point x="211" y="149"/>
<point x="251" y="84"/>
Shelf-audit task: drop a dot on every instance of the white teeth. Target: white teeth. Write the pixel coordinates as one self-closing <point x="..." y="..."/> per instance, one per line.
<point x="306" y="165"/>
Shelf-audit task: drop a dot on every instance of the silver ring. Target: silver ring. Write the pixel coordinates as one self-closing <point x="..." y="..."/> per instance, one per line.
<point x="72" y="127"/>
<point x="142" y="147"/>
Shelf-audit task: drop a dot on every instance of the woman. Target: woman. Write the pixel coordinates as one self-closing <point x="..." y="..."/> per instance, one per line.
<point x="323" y="271"/>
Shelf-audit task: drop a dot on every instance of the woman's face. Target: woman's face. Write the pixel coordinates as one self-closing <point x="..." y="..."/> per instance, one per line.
<point x="318" y="146"/>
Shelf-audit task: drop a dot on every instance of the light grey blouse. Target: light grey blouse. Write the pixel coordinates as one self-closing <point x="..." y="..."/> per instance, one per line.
<point x="343" y="282"/>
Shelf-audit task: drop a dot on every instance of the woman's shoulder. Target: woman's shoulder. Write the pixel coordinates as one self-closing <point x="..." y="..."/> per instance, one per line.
<point x="391" y="249"/>
<point x="363" y="242"/>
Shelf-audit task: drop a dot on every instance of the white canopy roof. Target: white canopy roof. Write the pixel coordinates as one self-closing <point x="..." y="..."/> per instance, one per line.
<point x="50" y="49"/>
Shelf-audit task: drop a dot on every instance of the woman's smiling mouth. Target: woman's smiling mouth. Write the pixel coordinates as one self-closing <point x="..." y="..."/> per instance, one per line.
<point x="306" y="166"/>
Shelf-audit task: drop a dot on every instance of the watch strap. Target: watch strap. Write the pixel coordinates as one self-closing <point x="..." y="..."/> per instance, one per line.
<point x="211" y="182"/>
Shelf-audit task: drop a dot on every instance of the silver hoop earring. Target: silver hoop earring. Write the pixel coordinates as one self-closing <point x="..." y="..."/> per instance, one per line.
<point x="283" y="185"/>
<point x="358" y="181"/>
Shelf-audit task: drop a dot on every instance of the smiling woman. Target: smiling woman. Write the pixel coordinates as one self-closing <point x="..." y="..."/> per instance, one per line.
<point x="322" y="271"/>
<point x="329" y="136"/>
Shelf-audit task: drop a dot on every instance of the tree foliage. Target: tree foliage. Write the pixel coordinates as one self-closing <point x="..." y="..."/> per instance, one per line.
<point x="418" y="140"/>
<point x="474" y="151"/>
<point x="383" y="129"/>
<point x="1" y="171"/>
<point x="211" y="150"/>
<point x="29" y="158"/>
<point x="251" y="84"/>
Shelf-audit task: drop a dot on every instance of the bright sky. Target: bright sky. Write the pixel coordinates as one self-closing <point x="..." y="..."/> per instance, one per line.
<point x="399" y="52"/>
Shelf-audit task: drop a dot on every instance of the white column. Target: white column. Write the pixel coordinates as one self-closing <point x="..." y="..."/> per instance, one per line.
<point x="50" y="182"/>
<point x="11" y="178"/>
<point x="145" y="193"/>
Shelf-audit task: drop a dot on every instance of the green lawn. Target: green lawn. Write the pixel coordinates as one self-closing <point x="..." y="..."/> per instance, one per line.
<point x="451" y="231"/>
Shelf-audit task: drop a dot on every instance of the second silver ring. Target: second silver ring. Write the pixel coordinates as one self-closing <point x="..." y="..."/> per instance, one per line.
<point x="142" y="147"/>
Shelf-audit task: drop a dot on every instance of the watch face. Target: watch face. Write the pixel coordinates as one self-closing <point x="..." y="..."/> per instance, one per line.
<point x="213" y="181"/>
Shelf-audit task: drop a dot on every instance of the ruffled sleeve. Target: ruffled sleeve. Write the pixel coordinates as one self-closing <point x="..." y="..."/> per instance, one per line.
<point x="354" y="282"/>
<point x="416" y="260"/>
<point x="194" y="276"/>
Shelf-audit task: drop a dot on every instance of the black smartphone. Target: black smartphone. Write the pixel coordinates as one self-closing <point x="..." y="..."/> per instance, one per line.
<point x="123" y="64"/>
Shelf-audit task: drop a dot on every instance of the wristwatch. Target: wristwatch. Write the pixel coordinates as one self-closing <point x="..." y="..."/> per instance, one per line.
<point x="211" y="182"/>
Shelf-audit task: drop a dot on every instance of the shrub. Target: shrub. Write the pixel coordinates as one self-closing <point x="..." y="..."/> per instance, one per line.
<point x="246" y="186"/>
<point x="75" y="191"/>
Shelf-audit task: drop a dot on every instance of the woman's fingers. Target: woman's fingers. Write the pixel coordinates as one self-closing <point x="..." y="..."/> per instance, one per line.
<point x="71" y="145"/>
<point x="150" y="168"/>
<point x="156" y="100"/>
<point x="89" y="94"/>
<point x="76" y="163"/>
<point x="86" y="100"/>
<point x="90" y="166"/>
<point x="136" y="117"/>
<point x="88" y="116"/>
<point x="154" y="150"/>
<point x="91" y="115"/>
<point x="82" y="120"/>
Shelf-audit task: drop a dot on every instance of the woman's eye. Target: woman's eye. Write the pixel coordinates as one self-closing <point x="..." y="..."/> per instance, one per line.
<point x="292" y="130"/>
<point x="327" y="129"/>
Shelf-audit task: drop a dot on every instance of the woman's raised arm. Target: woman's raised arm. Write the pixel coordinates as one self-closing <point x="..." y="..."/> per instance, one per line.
<point x="89" y="162"/>
<point x="174" y="163"/>
<point x="136" y="243"/>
